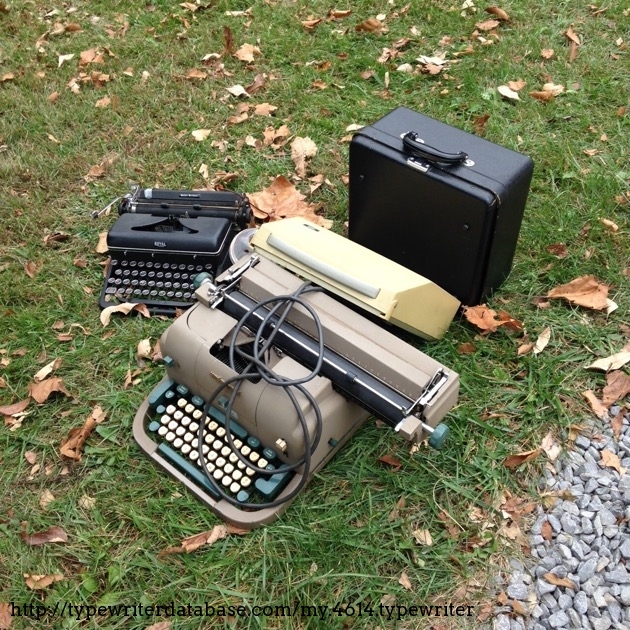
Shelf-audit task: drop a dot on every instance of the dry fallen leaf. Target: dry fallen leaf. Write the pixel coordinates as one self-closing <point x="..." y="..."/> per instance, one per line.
<point x="302" y="149"/>
<point x="610" y="224"/>
<point x="550" y="446"/>
<point x="486" y="319"/>
<point x="5" y="609"/>
<point x="39" y="582"/>
<point x="47" y="370"/>
<point x="103" y="102"/>
<point x="542" y="341"/>
<point x="583" y="291"/>
<point x="552" y="578"/>
<point x="599" y="409"/>
<point x="371" y="25"/>
<point x="610" y="460"/>
<point x="404" y="581"/>
<point x="559" y="250"/>
<point x="125" y="309"/>
<point x="514" y="461"/>
<point x="40" y="392"/>
<point x="201" y="134"/>
<point x="192" y="543"/>
<point x="498" y="12"/>
<point x="487" y="25"/>
<point x="46" y="498"/>
<point x="282" y="200"/>
<point x="617" y="424"/>
<point x="15" y="408"/>
<point x="617" y="387"/>
<point x="247" y="52"/>
<point x="72" y="444"/>
<point x="423" y="537"/>
<point x="390" y="460"/>
<point x="613" y="362"/>
<point x="144" y="349"/>
<point x="53" y="534"/>
<point x="546" y="530"/>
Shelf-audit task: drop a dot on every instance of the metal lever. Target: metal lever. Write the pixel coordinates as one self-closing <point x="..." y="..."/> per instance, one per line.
<point x="216" y="293"/>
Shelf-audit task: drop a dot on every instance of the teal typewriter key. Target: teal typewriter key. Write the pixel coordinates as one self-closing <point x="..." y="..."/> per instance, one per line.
<point x="198" y="401"/>
<point x="253" y="442"/>
<point x="154" y="426"/>
<point x="269" y="454"/>
<point x="242" y="496"/>
<point x="182" y="390"/>
<point x="158" y="395"/>
<point x="271" y="488"/>
<point x="160" y="410"/>
<point x="169" y="397"/>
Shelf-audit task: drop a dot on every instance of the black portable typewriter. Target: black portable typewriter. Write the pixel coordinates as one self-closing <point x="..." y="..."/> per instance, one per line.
<point x="163" y="239"/>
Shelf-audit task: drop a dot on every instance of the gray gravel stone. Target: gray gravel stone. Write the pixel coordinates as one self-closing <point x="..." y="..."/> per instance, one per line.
<point x="587" y="570"/>
<point x="517" y="591"/>
<point x="624" y="596"/>
<point x="559" y="619"/>
<point x="580" y="602"/>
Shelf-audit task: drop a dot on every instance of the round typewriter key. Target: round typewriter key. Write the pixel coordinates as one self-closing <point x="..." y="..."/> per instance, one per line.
<point x="145" y="292"/>
<point x="176" y="285"/>
<point x="172" y="425"/>
<point x="261" y="462"/>
<point x="211" y="467"/>
<point x="240" y="465"/>
<point x="234" y="488"/>
<point x="253" y="456"/>
<point x="225" y="451"/>
<point x="153" y="293"/>
<point x="165" y="419"/>
<point x="170" y="436"/>
<point x="217" y="445"/>
<point x="178" y="295"/>
<point x="182" y="267"/>
<point x="199" y="268"/>
<point x="253" y="442"/>
<point x="220" y="431"/>
<point x="236" y="475"/>
<point x="195" y="443"/>
<point x="162" y="431"/>
<point x="167" y="285"/>
<point x="148" y="264"/>
<point x="124" y="263"/>
<point x="178" y="442"/>
<point x="233" y="458"/>
<point x="189" y="408"/>
<point x="228" y="468"/>
<point x="134" y="273"/>
<point x="170" y="409"/>
<point x="269" y="454"/>
<point x="189" y="437"/>
<point x="185" y="421"/>
<point x="168" y="276"/>
<point x="169" y="294"/>
<point x="194" y="455"/>
<point x="181" y="403"/>
<point x="227" y="481"/>
<point x="142" y="283"/>
<point x="205" y="449"/>
<point x="159" y="285"/>
<point x="126" y="281"/>
<point x="165" y="266"/>
<point x="212" y="455"/>
<point x="162" y="293"/>
<point x="245" y="451"/>
<point x="246" y="481"/>
<point x="132" y="263"/>
<point x="197" y="401"/>
<point x="250" y="472"/>
<point x="178" y="415"/>
<point x="187" y="295"/>
<point x="220" y="462"/>
<point x="194" y="427"/>
<point x="190" y="268"/>
<point x="150" y="274"/>
<point x="186" y="449"/>
<point x="197" y="414"/>
<point x="118" y="272"/>
<point x="180" y="431"/>
<point x="217" y="474"/>
<point x="110" y="290"/>
<point x="208" y="438"/>
<point x="176" y="276"/>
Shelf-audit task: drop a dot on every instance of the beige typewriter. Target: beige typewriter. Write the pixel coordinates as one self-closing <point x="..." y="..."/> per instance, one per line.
<point x="268" y="376"/>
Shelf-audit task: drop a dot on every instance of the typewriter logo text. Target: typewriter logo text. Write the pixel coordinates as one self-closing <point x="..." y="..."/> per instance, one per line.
<point x="159" y="243"/>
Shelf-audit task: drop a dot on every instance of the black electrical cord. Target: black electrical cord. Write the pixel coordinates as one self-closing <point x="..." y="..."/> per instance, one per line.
<point x="257" y="366"/>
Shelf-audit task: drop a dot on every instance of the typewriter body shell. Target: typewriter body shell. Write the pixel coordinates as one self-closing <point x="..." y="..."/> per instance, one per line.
<point x="456" y="222"/>
<point x="158" y="245"/>
<point x="193" y="344"/>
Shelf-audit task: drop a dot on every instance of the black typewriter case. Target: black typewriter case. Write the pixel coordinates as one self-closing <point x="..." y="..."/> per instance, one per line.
<point x="437" y="200"/>
<point x="154" y="263"/>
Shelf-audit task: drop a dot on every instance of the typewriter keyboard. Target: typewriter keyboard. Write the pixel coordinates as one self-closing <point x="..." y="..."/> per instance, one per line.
<point x="174" y="426"/>
<point x="162" y="286"/>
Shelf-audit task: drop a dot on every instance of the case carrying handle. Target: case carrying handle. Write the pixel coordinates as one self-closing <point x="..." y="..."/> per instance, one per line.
<point x="418" y="148"/>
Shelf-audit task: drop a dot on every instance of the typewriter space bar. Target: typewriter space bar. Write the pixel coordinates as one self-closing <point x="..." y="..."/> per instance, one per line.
<point x="319" y="266"/>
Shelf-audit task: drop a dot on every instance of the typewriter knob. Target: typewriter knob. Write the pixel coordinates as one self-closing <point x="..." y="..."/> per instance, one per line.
<point x="439" y="436"/>
<point x="202" y="278"/>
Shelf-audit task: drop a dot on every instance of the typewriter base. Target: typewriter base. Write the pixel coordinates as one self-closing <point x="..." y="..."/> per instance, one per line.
<point x="339" y="412"/>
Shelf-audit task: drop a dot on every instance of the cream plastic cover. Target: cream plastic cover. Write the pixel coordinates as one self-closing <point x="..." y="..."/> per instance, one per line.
<point x="359" y="275"/>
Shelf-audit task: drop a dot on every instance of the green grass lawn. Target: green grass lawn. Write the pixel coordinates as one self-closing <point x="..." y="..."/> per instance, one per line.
<point x="128" y="108"/>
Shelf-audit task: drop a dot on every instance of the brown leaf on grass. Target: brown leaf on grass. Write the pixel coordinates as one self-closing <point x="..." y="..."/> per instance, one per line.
<point x="96" y="171"/>
<point x="552" y="578"/>
<point x="125" y="309"/>
<point x="208" y="538"/>
<point x="30" y="268"/>
<point x="542" y="341"/>
<point x="309" y="25"/>
<point x="572" y="36"/>
<point x="514" y="461"/>
<point x="160" y="625"/>
<point x="584" y="291"/>
<point x="404" y="581"/>
<point x="282" y="200"/>
<point x="390" y="460"/>
<point x="498" y="12"/>
<point x="610" y="224"/>
<point x="91" y="56"/>
<point x="47" y="370"/>
<point x="486" y="319"/>
<point x="617" y="424"/>
<point x="72" y="444"/>
<point x="247" y="52"/>
<point x="228" y="40"/>
<point x="103" y="102"/>
<point x="5" y="609"/>
<point x="524" y="348"/>
<point x="264" y="109"/>
<point x="613" y="362"/>
<point x="53" y="534"/>
<point x="196" y="74"/>
<point x="258" y="83"/>
<point x="143" y="350"/>
<point x="546" y="530"/>
<point x="479" y="124"/>
<point x="15" y="408"/>
<point x="423" y="537"/>
<point x="339" y="14"/>
<point x="517" y="85"/>
<point x="466" y="348"/>
<point x="30" y="457"/>
<point x="559" y="250"/>
<point x="371" y="25"/>
<point x="40" y="582"/>
<point x="617" y="387"/>
<point x="610" y="460"/>
<point x="46" y="498"/>
<point x="598" y="408"/>
<point x="547" y="53"/>
<point x="487" y="25"/>
<point x="302" y="149"/>
<point x="550" y="446"/>
<point x="40" y="392"/>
